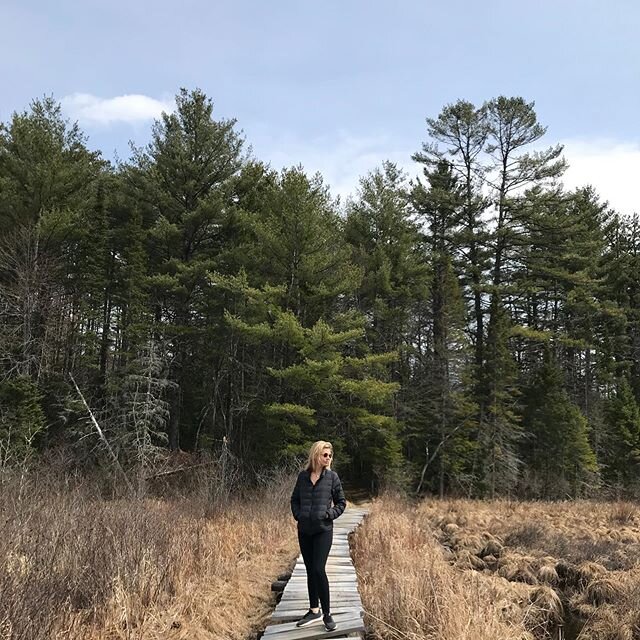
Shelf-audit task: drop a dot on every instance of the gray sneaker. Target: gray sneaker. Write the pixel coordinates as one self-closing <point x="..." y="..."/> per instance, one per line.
<point x="329" y="624"/>
<point x="308" y="618"/>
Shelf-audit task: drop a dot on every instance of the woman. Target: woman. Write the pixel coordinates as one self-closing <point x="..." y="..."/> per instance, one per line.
<point x="317" y="486"/>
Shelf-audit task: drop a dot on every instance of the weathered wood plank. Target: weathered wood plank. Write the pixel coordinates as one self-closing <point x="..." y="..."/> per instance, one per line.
<point x="338" y="577"/>
<point x="343" y="564"/>
<point x="290" y="616"/>
<point x="343" y="582"/>
<point x="302" y="586"/>
<point x="344" y="626"/>
<point x="336" y="594"/>
<point x="333" y="563"/>
<point x="300" y="607"/>
<point x="300" y="559"/>
<point x="288" y="626"/>
<point x="339" y="568"/>
<point x="300" y="599"/>
<point x="330" y="560"/>
<point x="331" y="566"/>
<point x="347" y="623"/>
<point x="333" y="579"/>
<point x="342" y="572"/>
<point x="335" y="587"/>
<point x="336" y="598"/>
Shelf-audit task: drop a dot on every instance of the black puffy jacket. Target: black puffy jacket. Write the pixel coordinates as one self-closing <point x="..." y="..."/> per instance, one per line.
<point x="311" y="504"/>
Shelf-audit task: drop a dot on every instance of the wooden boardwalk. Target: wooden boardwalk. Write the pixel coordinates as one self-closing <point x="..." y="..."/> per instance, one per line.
<point x="346" y="606"/>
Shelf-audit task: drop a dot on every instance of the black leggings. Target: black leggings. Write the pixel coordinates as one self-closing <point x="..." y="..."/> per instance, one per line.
<point x="315" y="551"/>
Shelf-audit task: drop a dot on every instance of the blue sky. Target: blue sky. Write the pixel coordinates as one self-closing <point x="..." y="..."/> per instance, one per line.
<point x="338" y="86"/>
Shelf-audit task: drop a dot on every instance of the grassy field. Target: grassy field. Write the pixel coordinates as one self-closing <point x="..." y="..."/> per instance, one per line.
<point x="76" y="565"/>
<point x="471" y="570"/>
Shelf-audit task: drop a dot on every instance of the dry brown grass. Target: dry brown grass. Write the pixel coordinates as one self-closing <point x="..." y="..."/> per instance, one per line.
<point x="74" y="565"/>
<point x="410" y="591"/>
<point x="456" y="569"/>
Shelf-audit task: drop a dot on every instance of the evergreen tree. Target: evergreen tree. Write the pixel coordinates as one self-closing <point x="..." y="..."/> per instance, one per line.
<point x="21" y="419"/>
<point x="558" y="280"/>
<point x="500" y="430"/>
<point x="458" y="137"/>
<point x="46" y="175"/>
<point x="387" y="246"/>
<point x="556" y="447"/>
<point x="184" y="175"/>
<point x="321" y="390"/>
<point x="44" y="164"/>
<point x="443" y="406"/>
<point x="299" y="243"/>
<point x="291" y="238"/>
<point x="620" y="272"/>
<point x="512" y="126"/>
<point x="196" y="293"/>
<point x="621" y="446"/>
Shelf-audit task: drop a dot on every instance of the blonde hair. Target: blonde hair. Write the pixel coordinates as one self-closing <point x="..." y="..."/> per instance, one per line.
<point x="314" y="453"/>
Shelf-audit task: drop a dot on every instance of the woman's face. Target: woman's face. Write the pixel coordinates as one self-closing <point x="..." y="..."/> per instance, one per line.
<point x="325" y="458"/>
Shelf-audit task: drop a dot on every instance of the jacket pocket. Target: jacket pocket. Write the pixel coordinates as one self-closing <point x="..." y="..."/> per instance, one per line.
<point x="328" y="511"/>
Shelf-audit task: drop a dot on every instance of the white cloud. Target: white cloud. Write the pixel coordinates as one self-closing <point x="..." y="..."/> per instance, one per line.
<point x="342" y="160"/>
<point x="611" y="167"/>
<point x="133" y="108"/>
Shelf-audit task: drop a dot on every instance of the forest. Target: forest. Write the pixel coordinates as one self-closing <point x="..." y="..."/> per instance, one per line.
<point x="471" y="332"/>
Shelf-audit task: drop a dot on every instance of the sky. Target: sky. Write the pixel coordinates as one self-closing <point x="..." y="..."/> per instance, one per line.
<point x="338" y="86"/>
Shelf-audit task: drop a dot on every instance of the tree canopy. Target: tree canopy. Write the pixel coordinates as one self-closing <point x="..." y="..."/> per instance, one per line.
<point x="473" y="330"/>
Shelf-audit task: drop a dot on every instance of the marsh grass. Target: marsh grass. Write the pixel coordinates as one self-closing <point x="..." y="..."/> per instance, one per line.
<point x="74" y="564"/>
<point x="194" y="557"/>
<point x="487" y="570"/>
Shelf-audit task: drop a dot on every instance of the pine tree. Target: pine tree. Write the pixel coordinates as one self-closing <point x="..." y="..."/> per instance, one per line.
<point x="558" y="274"/>
<point x="387" y="246"/>
<point x="443" y="408"/>
<point x="621" y="446"/>
<point x="128" y="319"/>
<point x="185" y="176"/>
<point x="21" y="419"/>
<point x="500" y="430"/>
<point x="556" y="446"/>
<point x="44" y="164"/>
<point x="299" y="243"/>
<point x="294" y="340"/>
<point x="513" y="125"/>
<point x="458" y="137"/>
<point x="46" y="175"/>
<point x="327" y="387"/>
<point x="621" y="288"/>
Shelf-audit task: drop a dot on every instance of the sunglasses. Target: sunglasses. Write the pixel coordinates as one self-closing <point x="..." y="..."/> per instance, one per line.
<point x="327" y="455"/>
